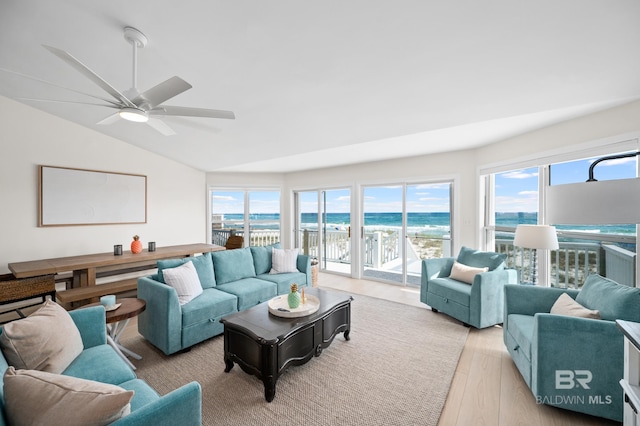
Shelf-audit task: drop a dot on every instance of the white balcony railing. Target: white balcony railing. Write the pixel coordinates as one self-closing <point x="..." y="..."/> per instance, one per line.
<point x="258" y="238"/>
<point x="570" y="264"/>
<point x="574" y="261"/>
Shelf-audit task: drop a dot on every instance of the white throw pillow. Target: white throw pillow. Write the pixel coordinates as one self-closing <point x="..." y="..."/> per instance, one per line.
<point x="39" y="398"/>
<point x="185" y="280"/>
<point x="464" y="273"/>
<point x="47" y="340"/>
<point x="284" y="260"/>
<point x="565" y="305"/>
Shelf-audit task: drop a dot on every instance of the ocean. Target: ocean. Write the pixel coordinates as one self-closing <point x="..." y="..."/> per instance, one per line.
<point x="425" y="224"/>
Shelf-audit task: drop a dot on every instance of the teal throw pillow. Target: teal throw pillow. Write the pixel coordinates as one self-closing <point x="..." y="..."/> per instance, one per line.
<point x="262" y="259"/>
<point x="233" y="265"/>
<point x="613" y="300"/>
<point x="481" y="259"/>
<point x="203" y="265"/>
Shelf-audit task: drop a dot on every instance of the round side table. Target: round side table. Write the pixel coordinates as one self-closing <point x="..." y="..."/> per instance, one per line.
<point x="117" y="321"/>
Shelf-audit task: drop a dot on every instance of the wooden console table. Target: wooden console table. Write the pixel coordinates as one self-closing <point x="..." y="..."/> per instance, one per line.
<point x="86" y="268"/>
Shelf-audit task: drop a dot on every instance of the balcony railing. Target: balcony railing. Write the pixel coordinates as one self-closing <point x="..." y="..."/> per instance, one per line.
<point x="570" y="264"/>
<point x="257" y="238"/>
<point x="573" y="262"/>
<point x="380" y="248"/>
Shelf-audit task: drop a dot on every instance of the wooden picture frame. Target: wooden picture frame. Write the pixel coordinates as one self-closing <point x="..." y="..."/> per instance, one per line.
<point x="74" y="197"/>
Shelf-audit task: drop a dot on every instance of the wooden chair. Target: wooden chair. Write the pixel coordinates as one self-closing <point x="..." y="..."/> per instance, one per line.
<point x="234" y="242"/>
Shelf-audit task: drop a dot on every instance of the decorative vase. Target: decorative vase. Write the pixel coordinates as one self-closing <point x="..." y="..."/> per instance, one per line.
<point x="136" y="245"/>
<point x="294" y="297"/>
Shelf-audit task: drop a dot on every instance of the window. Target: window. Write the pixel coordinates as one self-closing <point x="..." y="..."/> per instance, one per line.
<point x="255" y="214"/>
<point x="514" y="197"/>
<point x="605" y="249"/>
<point x="404" y="224"/>
<point x="516" y="203"/>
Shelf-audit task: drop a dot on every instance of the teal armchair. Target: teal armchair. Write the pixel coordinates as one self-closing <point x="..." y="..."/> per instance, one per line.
<point x="570" y="362"/>
<point x="99" y="362"/>
<point x="479" y="304"/>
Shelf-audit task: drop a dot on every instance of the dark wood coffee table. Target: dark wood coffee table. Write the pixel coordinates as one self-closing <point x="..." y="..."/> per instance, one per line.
<point x="266" y="345"/>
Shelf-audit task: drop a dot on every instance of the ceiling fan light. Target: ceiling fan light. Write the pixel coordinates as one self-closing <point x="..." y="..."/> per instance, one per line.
<point x="134" y="114"/>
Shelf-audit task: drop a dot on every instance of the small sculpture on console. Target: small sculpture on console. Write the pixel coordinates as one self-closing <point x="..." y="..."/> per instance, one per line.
<point x="294" y="297"/>
<point x="136" y="245"/>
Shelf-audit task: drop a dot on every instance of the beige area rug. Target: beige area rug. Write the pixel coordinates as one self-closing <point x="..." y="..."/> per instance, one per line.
<point x="395" y="370"/>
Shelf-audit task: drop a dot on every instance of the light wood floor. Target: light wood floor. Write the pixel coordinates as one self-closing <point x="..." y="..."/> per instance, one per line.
<point x="487" y="389"/>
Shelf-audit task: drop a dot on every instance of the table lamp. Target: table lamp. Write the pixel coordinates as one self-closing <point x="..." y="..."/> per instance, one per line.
<point x="536" y="237"/>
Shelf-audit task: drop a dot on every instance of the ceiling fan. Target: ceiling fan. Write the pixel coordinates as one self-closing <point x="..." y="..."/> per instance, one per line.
<point x="133" y="105"/>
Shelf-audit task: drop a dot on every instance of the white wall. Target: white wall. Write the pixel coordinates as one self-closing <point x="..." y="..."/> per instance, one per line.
<point x="614" y="124"/>
<point x="176" y="200"/>
<point x="245" y="180"/>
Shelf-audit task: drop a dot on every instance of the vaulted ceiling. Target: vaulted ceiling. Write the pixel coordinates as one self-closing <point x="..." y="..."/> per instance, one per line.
<point x="320" y="83"/>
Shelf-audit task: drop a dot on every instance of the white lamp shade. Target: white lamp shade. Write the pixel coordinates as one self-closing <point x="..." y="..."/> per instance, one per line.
<point x="536" y="237"/>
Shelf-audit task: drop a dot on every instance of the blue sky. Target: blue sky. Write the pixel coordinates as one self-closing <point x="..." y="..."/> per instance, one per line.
<point x="384" y="199"/>
<point x="233" y="202"/>
<point x="420" y="198"/>
<point x="516" y="191"/>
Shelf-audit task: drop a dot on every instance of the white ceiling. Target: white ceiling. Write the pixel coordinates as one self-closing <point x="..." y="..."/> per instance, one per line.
<point x="331" y="82"/>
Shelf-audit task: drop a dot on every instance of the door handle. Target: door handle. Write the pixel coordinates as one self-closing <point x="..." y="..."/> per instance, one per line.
<point x="349" y="232"/>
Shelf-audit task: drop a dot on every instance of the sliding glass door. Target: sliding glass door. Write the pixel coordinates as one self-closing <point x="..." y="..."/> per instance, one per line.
<point x="429" y="225"/>
<point x="404" y="224"/>
<point x="323" y="227"/>
<point x="336" y="231"/>
<point x="383" y="241"/>
<point x="306" y="232"/>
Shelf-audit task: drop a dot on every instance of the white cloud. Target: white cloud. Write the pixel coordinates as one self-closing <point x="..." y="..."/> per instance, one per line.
<point x="433" y="186"/>
<point x="519" y="174"/>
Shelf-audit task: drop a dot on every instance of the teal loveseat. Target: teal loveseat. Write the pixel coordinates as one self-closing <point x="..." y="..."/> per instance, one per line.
<point x="232" y="281"/>
<point x="479" y="303"/>
<point x="571" y="362"/>
<point x="99" y="362"/>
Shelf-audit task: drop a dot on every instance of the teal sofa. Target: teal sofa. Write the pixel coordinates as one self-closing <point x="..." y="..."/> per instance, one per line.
<point x="479" y="304"/>
<point x="232" y="281"/>
<point x="570" y="362"/>
<point x="99" y="362"/>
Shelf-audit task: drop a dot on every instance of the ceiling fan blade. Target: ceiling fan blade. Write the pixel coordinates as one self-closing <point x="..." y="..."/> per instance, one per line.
<point x="163" y="91"/>
<point x="110" y="119"/>
<point x="115" y="104"/>
<point x="87" y="72"/>
<point x="67" y="102"/>
<point x="192" y="112"/>
<point x="161" y="127"/>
